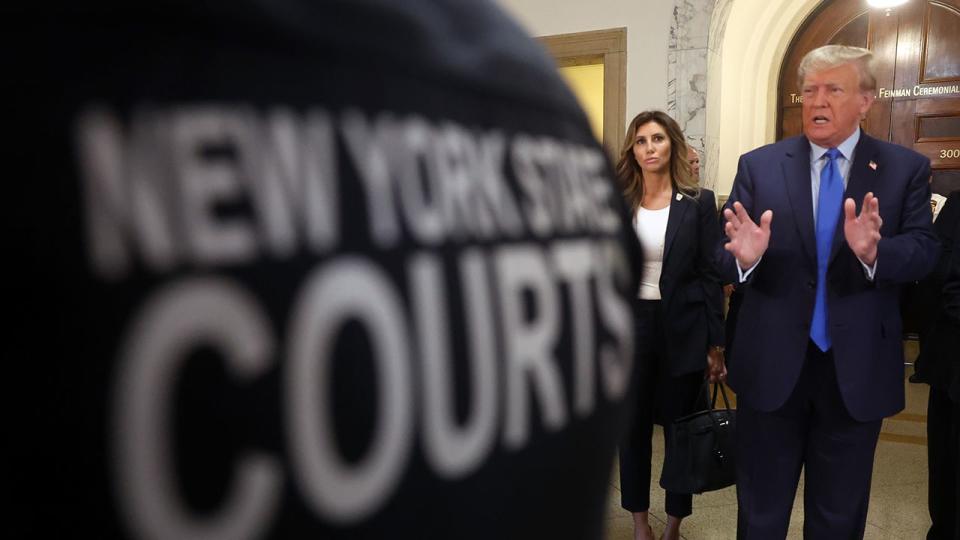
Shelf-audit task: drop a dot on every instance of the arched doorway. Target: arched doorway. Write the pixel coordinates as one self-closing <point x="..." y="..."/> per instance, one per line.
<point x="748" y="39"/>
<point x="917" y="47"/>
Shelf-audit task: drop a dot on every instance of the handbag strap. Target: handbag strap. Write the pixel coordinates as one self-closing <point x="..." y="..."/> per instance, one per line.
<point x="723" y="392"/>
<point x="719" y="433"/>
<point x="712" y="401"/>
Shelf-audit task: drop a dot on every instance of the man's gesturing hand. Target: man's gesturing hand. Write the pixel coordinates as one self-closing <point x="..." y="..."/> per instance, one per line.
<point x="863" y="232"/>
<point x="748" y="241"/>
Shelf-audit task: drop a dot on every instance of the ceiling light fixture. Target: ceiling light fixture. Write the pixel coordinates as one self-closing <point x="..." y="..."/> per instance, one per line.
<point x="886" y="3"/>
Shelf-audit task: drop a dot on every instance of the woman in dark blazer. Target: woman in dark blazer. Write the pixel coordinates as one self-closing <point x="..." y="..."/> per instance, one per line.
<point x="679" y="308"/>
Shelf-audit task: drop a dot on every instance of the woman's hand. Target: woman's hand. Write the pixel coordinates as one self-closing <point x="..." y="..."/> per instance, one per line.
<point x="716" y="364"/>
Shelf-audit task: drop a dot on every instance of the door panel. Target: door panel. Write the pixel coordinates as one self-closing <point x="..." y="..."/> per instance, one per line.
<point x="941" y="49"/>
<point x="854" y="33"/>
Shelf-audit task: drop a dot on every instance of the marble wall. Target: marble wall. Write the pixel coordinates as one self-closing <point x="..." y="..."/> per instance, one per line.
<point x="695" y="33"/>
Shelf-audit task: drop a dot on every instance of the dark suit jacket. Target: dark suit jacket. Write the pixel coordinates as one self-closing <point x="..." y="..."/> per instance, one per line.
<point x="940" y="341"/>
<point x="692" y="297"/>
<point x="949" y="348"/>
<point x="864" y="319"/>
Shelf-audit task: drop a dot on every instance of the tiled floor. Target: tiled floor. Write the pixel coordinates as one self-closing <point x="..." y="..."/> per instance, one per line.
<point x="898" y="500"/>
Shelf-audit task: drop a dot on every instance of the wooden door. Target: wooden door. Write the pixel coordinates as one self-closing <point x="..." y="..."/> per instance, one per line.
<point x="917" y="47"/>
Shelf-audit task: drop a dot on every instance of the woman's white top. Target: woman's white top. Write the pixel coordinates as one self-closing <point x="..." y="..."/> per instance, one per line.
<point x="651" y="227"/>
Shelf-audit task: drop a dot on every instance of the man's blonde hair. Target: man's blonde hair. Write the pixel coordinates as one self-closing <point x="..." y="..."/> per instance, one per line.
<point x="831" y="56"/>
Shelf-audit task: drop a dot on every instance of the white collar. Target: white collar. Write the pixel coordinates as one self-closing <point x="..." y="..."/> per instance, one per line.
<point x="845" y="148"/>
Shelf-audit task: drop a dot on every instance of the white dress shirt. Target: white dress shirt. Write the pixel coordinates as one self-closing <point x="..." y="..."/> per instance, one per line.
<point x="651" y="227"/>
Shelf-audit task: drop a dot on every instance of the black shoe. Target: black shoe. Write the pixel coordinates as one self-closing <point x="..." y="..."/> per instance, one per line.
<point x="917" y="378"/>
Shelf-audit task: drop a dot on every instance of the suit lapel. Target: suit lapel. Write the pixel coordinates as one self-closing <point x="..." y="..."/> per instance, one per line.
<point x="862" y="180"/>
<point x="796" y="172"/>
<point x="678" y="206"/>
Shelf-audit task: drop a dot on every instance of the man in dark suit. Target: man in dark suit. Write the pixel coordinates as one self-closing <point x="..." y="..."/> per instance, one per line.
<point x="940" y="351"/>
<point x="823" y="229"/>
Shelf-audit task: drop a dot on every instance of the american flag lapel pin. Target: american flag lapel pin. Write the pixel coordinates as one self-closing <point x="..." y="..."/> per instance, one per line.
<point x="872" y="164"/>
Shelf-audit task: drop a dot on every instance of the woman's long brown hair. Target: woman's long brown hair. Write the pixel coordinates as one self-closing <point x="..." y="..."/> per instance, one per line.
<point x="628" y="170"/>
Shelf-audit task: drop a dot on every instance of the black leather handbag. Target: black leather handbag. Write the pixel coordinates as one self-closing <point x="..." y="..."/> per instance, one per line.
<point x="702" y="456"/>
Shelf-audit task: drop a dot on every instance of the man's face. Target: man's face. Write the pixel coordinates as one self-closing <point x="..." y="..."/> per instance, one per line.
<point x="833" y="104"/>
<point x="694" y="158"/>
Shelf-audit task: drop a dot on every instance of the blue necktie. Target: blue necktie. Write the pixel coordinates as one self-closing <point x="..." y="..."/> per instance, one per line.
<point x="828" y="212"/>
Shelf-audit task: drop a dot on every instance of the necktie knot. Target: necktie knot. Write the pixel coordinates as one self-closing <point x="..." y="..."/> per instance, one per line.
<point x="832" y="154"/>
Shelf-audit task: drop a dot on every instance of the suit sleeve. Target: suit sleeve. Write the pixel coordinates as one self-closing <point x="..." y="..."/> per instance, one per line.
<point x="945" y="229"/>
<point x="912" y="252"/>
<point x="710" y="280"/>
<point x="951" y="286"/>
<point x="951" y="312"/>
<point x="741" y="191"/>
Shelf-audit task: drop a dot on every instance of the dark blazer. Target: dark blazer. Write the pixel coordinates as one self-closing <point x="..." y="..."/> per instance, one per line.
<point x="949" y="348"/>
<point x="774" y="322"/>
<point x="690" y="290"/>
<point x="940" y="341"/>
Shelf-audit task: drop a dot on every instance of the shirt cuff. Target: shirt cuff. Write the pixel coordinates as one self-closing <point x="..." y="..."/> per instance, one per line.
<point x="745" y="274"/>
<point x="869" y="271"/>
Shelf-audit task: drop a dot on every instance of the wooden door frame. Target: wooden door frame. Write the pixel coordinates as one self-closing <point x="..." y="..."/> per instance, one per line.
<point x="608" y="47"/>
